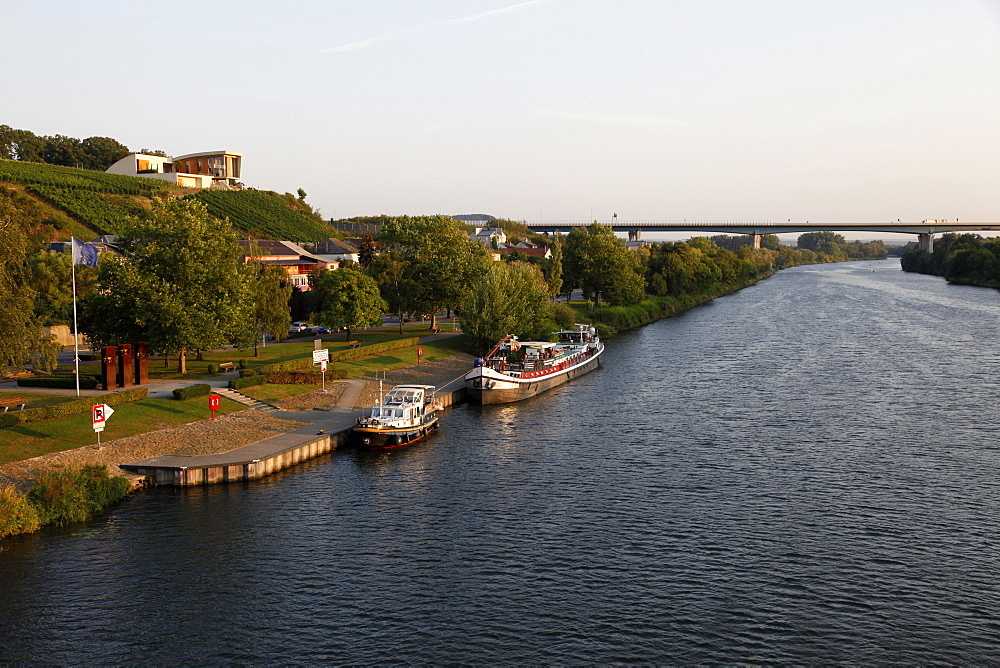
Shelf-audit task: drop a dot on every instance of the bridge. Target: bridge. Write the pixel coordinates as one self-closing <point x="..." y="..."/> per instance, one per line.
<point x="925" y="230"/>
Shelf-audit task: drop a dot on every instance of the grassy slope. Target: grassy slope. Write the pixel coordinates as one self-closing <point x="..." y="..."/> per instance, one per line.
<point x="86" y="203"/>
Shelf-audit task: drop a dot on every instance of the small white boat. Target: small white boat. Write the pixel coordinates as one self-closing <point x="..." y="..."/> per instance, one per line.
<point x="404" y="415"/>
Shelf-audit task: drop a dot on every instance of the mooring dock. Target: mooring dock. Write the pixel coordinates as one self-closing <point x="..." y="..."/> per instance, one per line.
<point x="324" y="432"/>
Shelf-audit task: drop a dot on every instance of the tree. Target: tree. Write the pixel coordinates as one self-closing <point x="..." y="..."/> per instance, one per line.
<point x="63" y="150"/>
<point x="440" y="259"/>
<point x="367" y="250"/>
<point x="271" y="313"/>
<point x="101" y="152"/>
<point x="815" y="241"/>
<point x="181" y="284"/>
<point x="511" y="298"/>
<point x="390" y="273"/>
<point x="301" y="193"/>
<point x="154" y="151"/>
<point x="346" y="298"/>
<point x="599" y="262"/>
<point x="554" y="267"/>
<point x="51" y="275"/>
<point x="19" y="333"/>
<point x="20" y="144"/>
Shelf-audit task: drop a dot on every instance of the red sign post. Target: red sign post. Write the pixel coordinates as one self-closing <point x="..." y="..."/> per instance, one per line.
<point x="213" y="403"/>
<point x="420" y="353"/>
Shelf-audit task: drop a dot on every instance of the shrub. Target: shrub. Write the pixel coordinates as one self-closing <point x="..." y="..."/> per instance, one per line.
<point x="304" y="377"/>
<point x="375" y="348"/>
<point x="62" y="381"/>
<point x="290" y="365"/>
<point x="247" y="372"/>
<point x="191" y="391"/>
<point x="564" y="314"/>
<point x="17" y="515"/>
<point x="242" y="364"/>
<point x="212" y="368"/>
<point x="247" y="381"/>
<point x="75" y="495"/>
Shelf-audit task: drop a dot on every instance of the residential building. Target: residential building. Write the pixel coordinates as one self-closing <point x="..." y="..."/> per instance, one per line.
<point x="337" y="249"/>
<point x="220" y="169"/>
<point x="297" y="262"/>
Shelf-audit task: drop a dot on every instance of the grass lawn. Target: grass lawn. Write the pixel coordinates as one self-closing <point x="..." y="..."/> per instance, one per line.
<point x="32" y="400"/>
<point x="274" y="352"/>
<point x="38" y="438"/>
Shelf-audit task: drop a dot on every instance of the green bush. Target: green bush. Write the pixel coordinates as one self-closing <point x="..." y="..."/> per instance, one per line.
<point x="72" y="407"/>
<point x="17" y="515"/>
<point x="75" y="495"/>
<point x="247" y="381"/>
<point x="62" y="381"/>
<point x="212" y="368"/>
<point x="304" y="377"/>
<point x="247" y="372"/>
<point x="290" y="365"/>
<point x="374" y="349"/>
<point x="242" y="364"/>
<point x="191" y="391"/>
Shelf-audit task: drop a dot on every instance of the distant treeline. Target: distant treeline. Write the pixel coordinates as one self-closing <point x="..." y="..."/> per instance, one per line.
<point x="91" y="153"/>
<point x="968" y="259"/>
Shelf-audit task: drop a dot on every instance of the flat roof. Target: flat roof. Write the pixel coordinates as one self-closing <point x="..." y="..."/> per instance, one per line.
<point x="207" y="153"/>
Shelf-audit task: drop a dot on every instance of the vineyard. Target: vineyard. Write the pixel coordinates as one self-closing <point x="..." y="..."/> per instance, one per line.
<point x="71" y="178"/>
<point x="92" y="209"/>
<point x="262" y="214"/>
<point x="102" y="202"/>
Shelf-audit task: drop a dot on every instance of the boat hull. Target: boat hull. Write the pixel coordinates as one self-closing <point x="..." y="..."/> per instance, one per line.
<point x="509" y="390"/>
<point x="376" y="438"/>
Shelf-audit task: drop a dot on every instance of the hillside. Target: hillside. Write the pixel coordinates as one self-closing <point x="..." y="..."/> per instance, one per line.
<point x="86" y="203"/>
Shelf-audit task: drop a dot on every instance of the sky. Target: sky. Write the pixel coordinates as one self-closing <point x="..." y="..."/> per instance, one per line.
<point x="832" y="110"/>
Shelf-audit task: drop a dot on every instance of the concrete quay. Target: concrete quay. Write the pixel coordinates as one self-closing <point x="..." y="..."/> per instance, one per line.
<point x="325" y="431"/>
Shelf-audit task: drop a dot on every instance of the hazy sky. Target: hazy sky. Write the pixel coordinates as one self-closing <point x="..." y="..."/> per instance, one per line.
<point x="830" y="110"/>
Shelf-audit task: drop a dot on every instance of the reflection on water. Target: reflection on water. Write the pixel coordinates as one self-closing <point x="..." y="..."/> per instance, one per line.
<point x="803" y="472"/>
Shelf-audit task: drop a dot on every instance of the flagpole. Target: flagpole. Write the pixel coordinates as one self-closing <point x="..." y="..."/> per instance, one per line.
<point x="76" y="332"/>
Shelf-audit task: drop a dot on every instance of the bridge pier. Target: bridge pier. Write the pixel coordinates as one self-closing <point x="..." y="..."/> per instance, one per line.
<point x="756" y="238"/>
<point x="925" y="242"/>
<point x="634" y="235"/>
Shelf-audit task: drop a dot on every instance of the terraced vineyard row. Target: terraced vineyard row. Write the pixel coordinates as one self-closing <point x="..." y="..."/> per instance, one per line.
<point x="35" y="173"/>
<point x="90" y="208"/>
<point x="262" y="214"/>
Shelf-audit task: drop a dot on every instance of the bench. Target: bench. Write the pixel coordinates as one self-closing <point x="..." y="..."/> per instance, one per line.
<point x="353" y="344"/>
<point x="228" y="366"/>
<point x="435" y="330"/>
<point x="7" y="403"/>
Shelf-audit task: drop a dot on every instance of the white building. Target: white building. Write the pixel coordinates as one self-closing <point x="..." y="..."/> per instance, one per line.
<point x="194" y="170"/>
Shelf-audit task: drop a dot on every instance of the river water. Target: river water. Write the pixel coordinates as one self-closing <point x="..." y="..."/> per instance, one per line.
<point x="803" y="472"/>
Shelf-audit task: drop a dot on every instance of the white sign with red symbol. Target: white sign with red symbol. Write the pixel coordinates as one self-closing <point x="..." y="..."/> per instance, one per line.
<point x="101" y="413"/>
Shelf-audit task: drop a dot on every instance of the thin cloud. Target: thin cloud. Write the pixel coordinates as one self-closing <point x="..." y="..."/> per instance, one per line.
<point x="354" y="46"/>
<point x="371" y="41"/>
<point x="491" y="14"/>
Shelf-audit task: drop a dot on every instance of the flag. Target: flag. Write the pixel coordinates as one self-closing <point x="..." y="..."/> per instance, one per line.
<point x="84" y="253"/>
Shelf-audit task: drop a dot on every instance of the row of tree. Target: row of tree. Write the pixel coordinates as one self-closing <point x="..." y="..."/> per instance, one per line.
<point x="182" y="285"/>
<point x="961" y="258"/>
<point x="91" y="153"/>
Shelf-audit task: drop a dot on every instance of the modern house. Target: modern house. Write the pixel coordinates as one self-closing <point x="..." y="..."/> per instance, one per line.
<point x="297" y="262"/>
<point x="220" y="169"/>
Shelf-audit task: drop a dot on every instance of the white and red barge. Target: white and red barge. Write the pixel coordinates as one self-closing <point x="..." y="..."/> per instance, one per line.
<point x="514" y="370"/>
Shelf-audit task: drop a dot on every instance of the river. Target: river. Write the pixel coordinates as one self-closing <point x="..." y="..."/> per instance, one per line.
<point x="802" y="472"/>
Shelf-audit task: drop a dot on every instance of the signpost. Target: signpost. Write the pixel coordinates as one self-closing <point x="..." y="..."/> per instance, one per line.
<point x="213" y="403"/>
<point x="101" y="412"/>
<point x="420" y="353"/>
<point x="322" y="358"/>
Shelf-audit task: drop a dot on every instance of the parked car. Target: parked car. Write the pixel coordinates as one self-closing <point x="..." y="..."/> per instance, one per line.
<point x="300" y="328"/>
